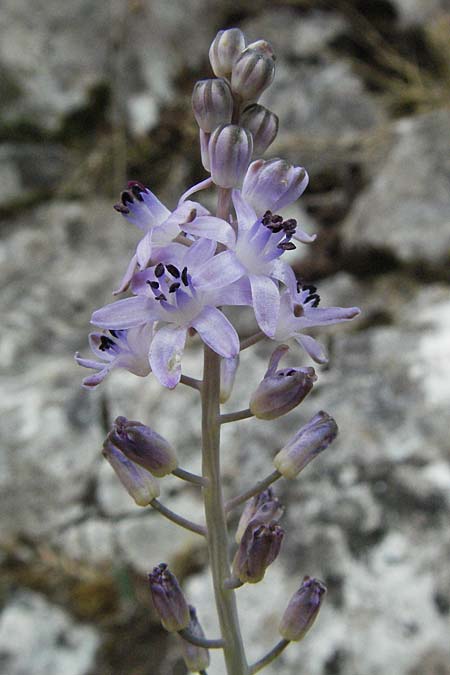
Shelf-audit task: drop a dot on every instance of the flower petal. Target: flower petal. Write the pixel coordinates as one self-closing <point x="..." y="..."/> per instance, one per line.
<point x="266" y="302"/>
<point x="217" y="332"/>
<point x="326" y="316"/>
<point x="312" y="347"/>
<point x="165" y="354"/>
<point x="144" y="249"/>
<point x="211" y="227"/>
<point x="221" y="270"/>
<point x="197" y="254"/>
<point x="125" y="313"/>
<point x="126" y="279"/>
<point x="245" y="213"/>
<point x="238" y="293"/>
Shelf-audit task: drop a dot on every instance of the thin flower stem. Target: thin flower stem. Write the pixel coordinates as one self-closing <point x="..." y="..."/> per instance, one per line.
<point x="252" y="340"/>
<point x="178" y="520"/>
<point x="203" y="185"/>
<point x="235" y="416"/>
<point x="191" y="382"/>
<point x="251" y="492"/>
<point x="269" y="657"/>
<point x="190" y="477"/>
<point x="217" y="537"/>
<point x="201" y="641"/>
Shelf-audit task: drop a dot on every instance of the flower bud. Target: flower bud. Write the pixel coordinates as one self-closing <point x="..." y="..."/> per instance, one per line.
<point x="168" y="599"/>
<point x="139" y="483"/>
<point x="228" y="369"/>
<point x="259" y="546"/>
<point x="302" y="609"/>
<point x="281" y="390"/>
<point x="225" y="50"/>
<point x="307" y="443"/>
<point x="230" y="151"/>
<point x="212" y="103"/>
<point x="195" y="658"/>
<point x="252" y="73"/>
<point x="262" y="508"/>
<point x="273" y="184"/>
<point x="204" y="149"/>
<point x="262" y="47"/>
<point x="262" y="124"/>
<point x="143" y="446"/>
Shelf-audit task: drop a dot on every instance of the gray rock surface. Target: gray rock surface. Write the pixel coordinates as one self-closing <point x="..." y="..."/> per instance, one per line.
<point x="416" y="12"/>
<point x="406" y="209"/>
<point x="38" y="638"/>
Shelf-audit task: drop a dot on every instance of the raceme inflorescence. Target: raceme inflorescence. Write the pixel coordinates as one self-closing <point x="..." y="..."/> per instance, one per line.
<point x="188" y="267"/>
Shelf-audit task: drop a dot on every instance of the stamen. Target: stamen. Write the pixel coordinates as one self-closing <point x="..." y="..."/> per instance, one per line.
<point x="174" y="271"/>
<point x="308" y="287"/>
<point x="184" y="276"/>
<point x="153" y="284"/>
<point x="159" y="270"/>
<point x="286" y="246"/>
<point x="136" y="190"/>
<point x="121" y="208"/>
<point x="105" y="343"/>
<point x="298" y="311"/>
<point x="174" y="287"/>
<point x="113" y="332"/>
<point x="126" y="198"/>
<point x="313" y="299"/>
<point x="161" y="296"/>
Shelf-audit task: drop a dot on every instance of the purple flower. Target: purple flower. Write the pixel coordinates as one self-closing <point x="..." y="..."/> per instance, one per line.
<point x="181" y="294"/>
<point x="140" y="207"/>
<point x="118" y="349"/>
<point x="299" y="311"/>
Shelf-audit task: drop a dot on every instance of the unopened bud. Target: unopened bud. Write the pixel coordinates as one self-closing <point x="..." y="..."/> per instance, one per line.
<point x="262" y="124"/>
<point x="196" y="658"/>
<point x="204" y="149"/>
<point x="273" y="184"/>
<point x="168" y="599"/>
<point x="281" y="390"/>
<point x="212" y="103"/>
<point x="228" y="369"/>
<point x="259" y="546"/>
<point x="225" y="50"/>
<point x="143" y="446"/>
<point x="230" y="151"/>
<point x="307" y="443"/>
<point x="262" y="47"/>
<point x="139" y="483"/>
<point x="252" y="73"/>
<point x="302" y="609"/>
<point x="262" y="508"/>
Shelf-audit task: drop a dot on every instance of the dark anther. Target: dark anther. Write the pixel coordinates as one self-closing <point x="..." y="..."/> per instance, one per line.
<point x="126" y="198"/>
<point x="290" y="225"/>
<point x="136" y="190"/>
<point x="121" y="208"/>
<point x="286" y="246"/>
<point x="290" y="372"/>
<point x="174" y="271"/>
<point x="174" y="287"/>
<point x="308" y="287"/>
<point x="153" y="284"/>
<point x="276" y="218"/>
<point x="184" y="276"/>
<point x="161" y="296"/>
<point x="314" y="299"/>
<point x="159" y="270"/>
<point x="133" y="183"/>
<point x="105" y="343"/>
<point x="298" y="311"/>
<point x="192" y="216"/>
<point x="114" y="333"/>
<point x="267" y="218"/>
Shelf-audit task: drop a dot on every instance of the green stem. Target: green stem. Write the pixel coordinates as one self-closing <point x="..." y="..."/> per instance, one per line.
<point x="251" y="492"/>
<point x="235" y="416"/>
<point x="217" y="536"/>
<point x="269" y="657"/>
<point x="176" y="518"/>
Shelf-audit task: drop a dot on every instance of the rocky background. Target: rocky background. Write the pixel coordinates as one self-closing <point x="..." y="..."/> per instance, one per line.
<point x="94" y="93"/>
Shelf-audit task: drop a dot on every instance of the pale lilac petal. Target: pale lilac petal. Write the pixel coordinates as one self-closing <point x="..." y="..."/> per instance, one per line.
<point x="157" y="212"/>
<point x="221" y="270"/>
<point x="196" y="188"/>
<point x="245" y="213"/>
<point x="266" y="302"/>
<point x="211" y="227"/>
<point x="144" y="249"/>
<point x="125" y="313"/>
<point x="295" y="191"/>
<point x="303" y="236"/>
<point x="312" y="347"/>
<point x="238" y="293"/>
<point x="165" y="354"/>
<point x="126" y="279"/>
<point x="316" y="316"/>
<point x="217" y="332"/>
<point x="88" y="363"/>
<point x="92" y="381"/>
<point x="199" y="253"/>
<point x="284" y="273"/>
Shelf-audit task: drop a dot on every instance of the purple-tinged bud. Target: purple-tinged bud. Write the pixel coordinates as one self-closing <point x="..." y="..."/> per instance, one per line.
<point x="302" y="609"/>
<point x="225" y="50"/>
<point x="143" y="446"/>
<point x="262" y="508"/>
<point x="139" y="483"/>
<point x="212" y="103"/>
<point x="263" y="126"/>
<point x="230" y="151"/>
<point x="252" y="73"/>
<point x="195" y="658"/>
<point x="273" y="184"/>
<point x="262" y="47"/>
<point x="306" y="444"/>
<point x="228" y="369"/>
<point x="259" y="546"/>
<point x="168" y="599"/>
<point x="204" y="149"/>
<point x="281" y="390"/>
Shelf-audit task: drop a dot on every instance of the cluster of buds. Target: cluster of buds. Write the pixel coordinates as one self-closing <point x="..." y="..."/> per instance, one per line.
<point x="233" y="126"/>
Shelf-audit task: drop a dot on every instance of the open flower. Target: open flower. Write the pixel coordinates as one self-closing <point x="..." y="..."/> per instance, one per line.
<point x="142" y="208"/>
<point x="118" y="349"/>
<point x="300" y="310"/>
<point x="179" y="295"/>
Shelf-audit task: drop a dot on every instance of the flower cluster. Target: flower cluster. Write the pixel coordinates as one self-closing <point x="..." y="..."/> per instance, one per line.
<point x="189" y="265"/>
